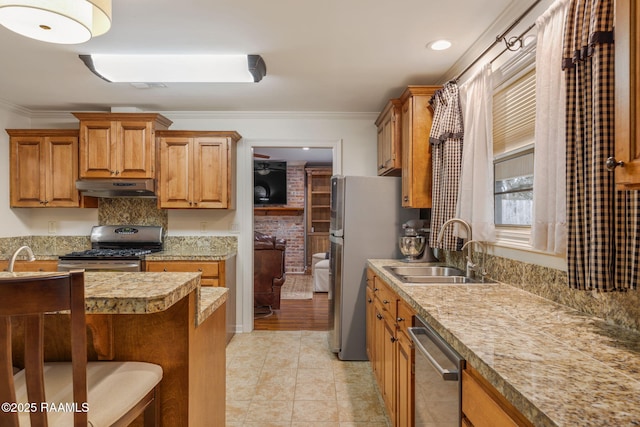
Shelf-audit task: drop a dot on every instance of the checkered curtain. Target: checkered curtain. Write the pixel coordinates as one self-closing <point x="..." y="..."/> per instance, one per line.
<point x="446" y="157"/>
<point x="600" y="248"/>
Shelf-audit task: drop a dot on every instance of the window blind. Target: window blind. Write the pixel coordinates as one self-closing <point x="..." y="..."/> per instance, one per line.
<point x="514" y="113"/>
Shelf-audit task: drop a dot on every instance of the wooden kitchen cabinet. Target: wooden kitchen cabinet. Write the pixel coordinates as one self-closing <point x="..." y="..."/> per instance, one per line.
<point x="44" y="168"/>
<point x="484" y="406"/>
<point x="389" y="139"/>
<point x="213" y="272"/>
<point x="390" y="349"/>
<point x="416" y="119"/>
<point x="38" y="265"/>
<point x="196" y="169"/>
<point x="119" y="145"/>
<point x="627" y="100"/>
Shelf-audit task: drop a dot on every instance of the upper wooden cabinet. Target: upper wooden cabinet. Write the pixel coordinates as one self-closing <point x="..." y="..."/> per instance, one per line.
<point x="416" y="149"/>
<point x="389" y="139"/>
<point x="627" y="75"/>
<point x="44" y="168"/>
<point x="119" y="145"/>
<point x="196" y="169"/>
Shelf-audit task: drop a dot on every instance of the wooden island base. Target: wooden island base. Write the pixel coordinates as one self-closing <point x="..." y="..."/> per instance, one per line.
<point x="192" y="391"/>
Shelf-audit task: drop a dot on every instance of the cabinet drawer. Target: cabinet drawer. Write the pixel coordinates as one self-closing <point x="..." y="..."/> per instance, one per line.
<point x="405" y="316"/>
<point x="387" y="298"/>
<point x="209" y="270"/>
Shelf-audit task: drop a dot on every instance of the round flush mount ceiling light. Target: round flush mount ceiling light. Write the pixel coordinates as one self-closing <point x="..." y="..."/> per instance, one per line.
<point x="439" y="45"/>
<point x="57" y="21"/>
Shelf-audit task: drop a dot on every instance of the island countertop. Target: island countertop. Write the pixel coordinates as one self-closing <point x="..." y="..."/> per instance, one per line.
<point x="556" y="365"/>
<point x="142" y="292"/>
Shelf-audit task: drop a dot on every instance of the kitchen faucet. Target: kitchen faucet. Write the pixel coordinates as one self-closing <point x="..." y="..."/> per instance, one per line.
<point x="478" y="268"/>
<point x="32" y="257"/>
<point x="470" y="266"/>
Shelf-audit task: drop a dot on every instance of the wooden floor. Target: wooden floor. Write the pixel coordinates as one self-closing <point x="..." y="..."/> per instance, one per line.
<point x="297" y="315"/>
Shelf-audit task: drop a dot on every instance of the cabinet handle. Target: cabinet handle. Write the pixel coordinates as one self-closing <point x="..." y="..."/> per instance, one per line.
<point x="384" y="301"/>
<point x="612" y="163"/>
<point x="379" y="316"/>
<point x="369" y="300"/>
<point x="164" y="269"/>
<point x="400" y="319"/>
<point x="375" y="289"/>
<point x="199" y="269"/>
<point x="405" y="198"/>
<point x="394" y="339"/>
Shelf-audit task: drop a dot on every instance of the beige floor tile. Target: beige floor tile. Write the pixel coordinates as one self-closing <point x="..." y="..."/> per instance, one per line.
<point x="315" y="410"/>
<point x="290" y="378"/>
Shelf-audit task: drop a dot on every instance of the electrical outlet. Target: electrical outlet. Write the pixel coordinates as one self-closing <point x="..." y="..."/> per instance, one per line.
<point x="203" y="227"/>
<point x="53" y="227"/>
<point x="235" y="227"/>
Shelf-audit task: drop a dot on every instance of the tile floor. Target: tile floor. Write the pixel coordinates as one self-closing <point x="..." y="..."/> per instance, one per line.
<point x="290" y="378"/>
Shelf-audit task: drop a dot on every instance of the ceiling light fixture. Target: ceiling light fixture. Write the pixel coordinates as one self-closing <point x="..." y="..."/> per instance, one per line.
<point x="177" y="68"/>
<point x="57" y="21"/>
<point x="440" y="45"/>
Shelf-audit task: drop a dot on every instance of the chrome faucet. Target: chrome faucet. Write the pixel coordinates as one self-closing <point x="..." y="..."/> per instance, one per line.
<point x="478" y="268"/>
<point x="470" y="266"/>
<point x="12" y="262"/>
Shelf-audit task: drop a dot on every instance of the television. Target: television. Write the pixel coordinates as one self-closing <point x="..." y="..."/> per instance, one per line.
<point x="269" y="183"/>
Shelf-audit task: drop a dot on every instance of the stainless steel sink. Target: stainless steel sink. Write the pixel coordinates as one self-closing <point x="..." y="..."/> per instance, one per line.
<point x="428" y="275"/>
<point x="425" y="271"/>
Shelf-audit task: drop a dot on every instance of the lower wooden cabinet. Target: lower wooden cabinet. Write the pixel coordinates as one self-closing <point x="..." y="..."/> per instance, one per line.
<point x="390" y="349"/>
<point x="213" y="272"/>
<point x="484" y="406"/>
<point x="41" y="265"/>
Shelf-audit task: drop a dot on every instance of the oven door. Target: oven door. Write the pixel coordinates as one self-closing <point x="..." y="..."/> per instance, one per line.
<point x="100" y="265"/>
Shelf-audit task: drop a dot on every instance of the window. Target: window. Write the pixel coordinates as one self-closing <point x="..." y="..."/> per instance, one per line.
<point x="514" y="112"/>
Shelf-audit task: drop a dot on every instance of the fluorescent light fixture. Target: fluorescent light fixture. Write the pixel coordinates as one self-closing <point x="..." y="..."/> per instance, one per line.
<point x="176" y="68"/>
<point x="440" y="45"/>
<point x="57" y="21"/>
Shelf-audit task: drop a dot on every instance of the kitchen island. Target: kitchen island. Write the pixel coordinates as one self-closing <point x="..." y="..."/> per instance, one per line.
<point x="163" y="318"/>
<point x="556" y="365"/>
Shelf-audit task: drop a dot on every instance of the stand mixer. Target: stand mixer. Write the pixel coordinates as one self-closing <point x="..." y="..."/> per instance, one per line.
<point x="413" y="245"/>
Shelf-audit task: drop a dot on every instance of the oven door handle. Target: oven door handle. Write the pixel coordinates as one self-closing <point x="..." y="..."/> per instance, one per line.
<point x="447" y="374"/>
<point x="132" y="266"/>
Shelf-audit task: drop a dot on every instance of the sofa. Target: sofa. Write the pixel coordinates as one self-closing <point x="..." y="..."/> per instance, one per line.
<point x="268" y="270"/>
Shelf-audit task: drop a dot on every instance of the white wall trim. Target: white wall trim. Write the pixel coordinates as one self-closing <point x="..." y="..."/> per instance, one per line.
<point x="245" y="206"/>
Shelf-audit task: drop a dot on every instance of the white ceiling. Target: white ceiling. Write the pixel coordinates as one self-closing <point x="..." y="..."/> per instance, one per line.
<point x="327" y="55"/>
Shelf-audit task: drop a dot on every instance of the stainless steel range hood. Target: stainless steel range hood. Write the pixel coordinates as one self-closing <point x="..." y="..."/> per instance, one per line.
<point x="111" y="188"/>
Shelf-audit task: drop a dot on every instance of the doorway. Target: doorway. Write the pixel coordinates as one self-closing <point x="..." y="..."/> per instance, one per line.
<point x="326" y="153"/>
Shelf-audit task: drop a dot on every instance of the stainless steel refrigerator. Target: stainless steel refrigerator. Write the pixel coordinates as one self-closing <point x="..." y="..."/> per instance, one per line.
<point x="366" y="221"/>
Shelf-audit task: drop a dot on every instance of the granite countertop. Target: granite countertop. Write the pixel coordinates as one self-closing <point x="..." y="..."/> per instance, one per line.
<point x="558" y="366"/>
<point x="143" y="293"/>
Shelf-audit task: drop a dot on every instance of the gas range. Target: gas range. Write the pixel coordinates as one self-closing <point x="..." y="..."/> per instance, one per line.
<point x="115" y="248"/>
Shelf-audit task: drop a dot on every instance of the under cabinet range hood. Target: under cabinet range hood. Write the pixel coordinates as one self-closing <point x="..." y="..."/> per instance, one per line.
<point x="110" y="188"/>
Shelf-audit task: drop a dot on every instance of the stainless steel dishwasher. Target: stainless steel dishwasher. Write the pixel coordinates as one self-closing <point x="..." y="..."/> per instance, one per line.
<point x="438" y="370"/>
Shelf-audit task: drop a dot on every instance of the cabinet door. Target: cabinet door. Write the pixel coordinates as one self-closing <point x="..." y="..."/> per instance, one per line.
<point x="134" y="152"/>
<point x="405" y="381"/>
<point x="627" y="53"/>
<point x="61" y="158"/>
<point x="210" y="171"/>
<point x="389" y="144"/>
<point x="97" y="149"/>
<point x="175" y="174"/>
<point x="44" y="170"/>
<point x="27" y="171"/>
<point x="389" y="364"/>
<point x="416" y="118"/>
<point x="370" y="321"/>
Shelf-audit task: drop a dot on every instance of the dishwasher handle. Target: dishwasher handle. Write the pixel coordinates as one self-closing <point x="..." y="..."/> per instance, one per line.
<point x="447" y="374"/>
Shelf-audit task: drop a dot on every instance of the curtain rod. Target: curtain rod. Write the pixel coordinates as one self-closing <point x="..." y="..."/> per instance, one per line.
<point x="502" y="37"/>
